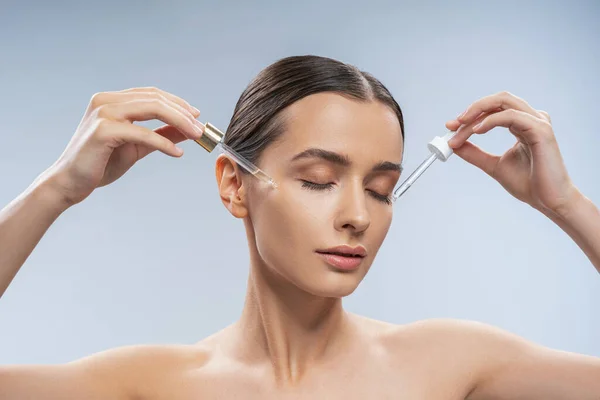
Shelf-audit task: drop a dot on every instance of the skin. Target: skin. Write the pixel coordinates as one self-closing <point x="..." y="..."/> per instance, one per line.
<point x="294" y="340"/>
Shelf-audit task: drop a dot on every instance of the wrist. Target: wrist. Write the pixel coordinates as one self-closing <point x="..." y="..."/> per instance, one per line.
<point x="48" y="191"/>
<point x="573" y="211"/>
<point x="580" y="219"/>
<point x="571" y="208"/>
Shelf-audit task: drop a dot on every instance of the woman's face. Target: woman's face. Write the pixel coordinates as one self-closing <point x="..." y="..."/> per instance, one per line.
<point x="336" y="166"/>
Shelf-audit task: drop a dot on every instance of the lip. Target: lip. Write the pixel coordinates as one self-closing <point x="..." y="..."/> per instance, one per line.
<point x="345" y="263"/>
<point x="344" y="257"/>
<point x="346" y="250"/>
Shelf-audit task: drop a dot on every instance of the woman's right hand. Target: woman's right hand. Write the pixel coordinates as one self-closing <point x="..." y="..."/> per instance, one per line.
<point x="107" y="142"/>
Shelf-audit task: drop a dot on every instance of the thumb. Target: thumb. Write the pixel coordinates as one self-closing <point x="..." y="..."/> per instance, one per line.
<point x="473" y="154"/>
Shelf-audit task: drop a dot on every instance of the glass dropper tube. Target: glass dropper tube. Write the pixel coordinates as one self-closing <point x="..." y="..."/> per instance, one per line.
<point x="212" y="138"/>
<point x="414" y="176"/>
<point x="439" y="149"/>
<point x="247" y="165"/>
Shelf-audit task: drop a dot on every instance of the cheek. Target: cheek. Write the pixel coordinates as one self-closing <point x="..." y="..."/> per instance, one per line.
<point x="382" y="225"/>
<point x="306" y="210"/>
<point x="285" y="226"/>
<point x="291" y="222"/>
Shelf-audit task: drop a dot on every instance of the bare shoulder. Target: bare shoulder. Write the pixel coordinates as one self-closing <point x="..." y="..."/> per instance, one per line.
<point x="121" y="373"/>
<point x="489" y="362"/>
<point x="459" y="331"/>
<point x="480" y="344"/>
<point x="443" y="355"/>
<point x="438" y="337"/>
<point x="146" y="370"/>
<point x="143" y="370"/>
<point x="449" y="354"/>
<point x="454" y="340"/>
<point x="449" y="331"/>
<point x="428" y="327"/>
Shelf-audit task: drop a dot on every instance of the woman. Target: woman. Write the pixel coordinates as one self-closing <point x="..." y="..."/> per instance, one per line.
<point x="331" y="136"/>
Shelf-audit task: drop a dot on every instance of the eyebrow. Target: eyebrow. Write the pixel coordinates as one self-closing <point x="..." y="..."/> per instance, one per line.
<point x="343" y="160"/>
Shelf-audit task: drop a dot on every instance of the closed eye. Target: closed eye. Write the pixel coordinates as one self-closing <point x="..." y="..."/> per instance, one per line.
<point x="381" y="197"/>
<point x="316" y="186"/>
<point x="386" y="199"/>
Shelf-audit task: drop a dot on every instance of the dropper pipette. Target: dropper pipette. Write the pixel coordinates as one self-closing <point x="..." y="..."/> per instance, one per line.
<point x="439" y="150"/>
<point x="213" y="137"/>
<point x="247" y="165"/>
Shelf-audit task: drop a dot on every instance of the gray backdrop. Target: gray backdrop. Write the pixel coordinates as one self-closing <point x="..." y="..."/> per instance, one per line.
<point x="156" y="258"/>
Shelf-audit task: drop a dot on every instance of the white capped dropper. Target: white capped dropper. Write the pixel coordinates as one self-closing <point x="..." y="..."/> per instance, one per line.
<point x="439" y="150"/>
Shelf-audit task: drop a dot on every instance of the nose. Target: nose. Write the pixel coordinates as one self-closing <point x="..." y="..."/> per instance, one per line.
<point x="352" y="213"/>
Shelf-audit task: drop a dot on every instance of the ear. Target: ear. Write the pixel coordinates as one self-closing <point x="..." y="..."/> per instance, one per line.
<point x="231" y="188"/>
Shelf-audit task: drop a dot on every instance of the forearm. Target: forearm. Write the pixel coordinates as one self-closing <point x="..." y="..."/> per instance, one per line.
<point x="23" y="223"/>
<point x="581" y="221"/>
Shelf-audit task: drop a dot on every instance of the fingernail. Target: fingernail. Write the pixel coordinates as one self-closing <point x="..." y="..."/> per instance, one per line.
<point x="461" y="115"/>
<point x="476" y="126"/>
<point x="195" y="110"/>
<point x="199" y="124"/>
<point x="198" y="129"/>
<point x="179" y="150"/>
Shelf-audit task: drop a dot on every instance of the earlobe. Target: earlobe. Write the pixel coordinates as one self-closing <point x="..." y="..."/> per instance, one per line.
<point x="231" y="188"/>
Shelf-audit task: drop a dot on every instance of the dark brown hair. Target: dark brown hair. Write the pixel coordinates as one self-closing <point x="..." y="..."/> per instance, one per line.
<point x="256" y="121"/>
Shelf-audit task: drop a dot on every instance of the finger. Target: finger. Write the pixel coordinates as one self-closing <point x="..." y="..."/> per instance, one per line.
<point x="525" y="126"/>
<point x="545" y="115"/>
<point x="464" y="132"/>
<point x="176" y="99"/>
<point x="171" y="133"/>
<point x="167" y="131"/>
<point x="147" y="109"/>
<point x="104" y="98"/>
<point x="483" y="160"/>
<point x="502" y="100"/>
<point x="118" y="133"/>
<point x="452" y="125"/>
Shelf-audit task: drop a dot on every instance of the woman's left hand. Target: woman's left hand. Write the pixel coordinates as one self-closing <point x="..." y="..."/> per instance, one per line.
<point x="532" y="170"/>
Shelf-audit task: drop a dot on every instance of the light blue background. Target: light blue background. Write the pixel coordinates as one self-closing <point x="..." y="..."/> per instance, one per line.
<point x="156" y="258"/>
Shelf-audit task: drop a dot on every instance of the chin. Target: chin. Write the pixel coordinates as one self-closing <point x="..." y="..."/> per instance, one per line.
<point x="337" y="292"/>
<point x="319" y="278"/>
<point x="333" y="284"/>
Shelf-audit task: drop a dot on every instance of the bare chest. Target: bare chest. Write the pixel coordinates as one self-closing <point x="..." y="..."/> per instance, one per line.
<point x="347" y="383"/>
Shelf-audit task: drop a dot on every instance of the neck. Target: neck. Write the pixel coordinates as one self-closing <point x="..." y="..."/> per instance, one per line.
<point x="287" y="326"/>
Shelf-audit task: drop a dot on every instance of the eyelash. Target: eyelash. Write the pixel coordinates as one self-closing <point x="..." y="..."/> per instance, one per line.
<point x="328" y="186"/>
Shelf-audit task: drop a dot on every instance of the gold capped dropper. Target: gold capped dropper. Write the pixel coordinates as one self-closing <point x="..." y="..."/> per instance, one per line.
<point x="212" y="138"/>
